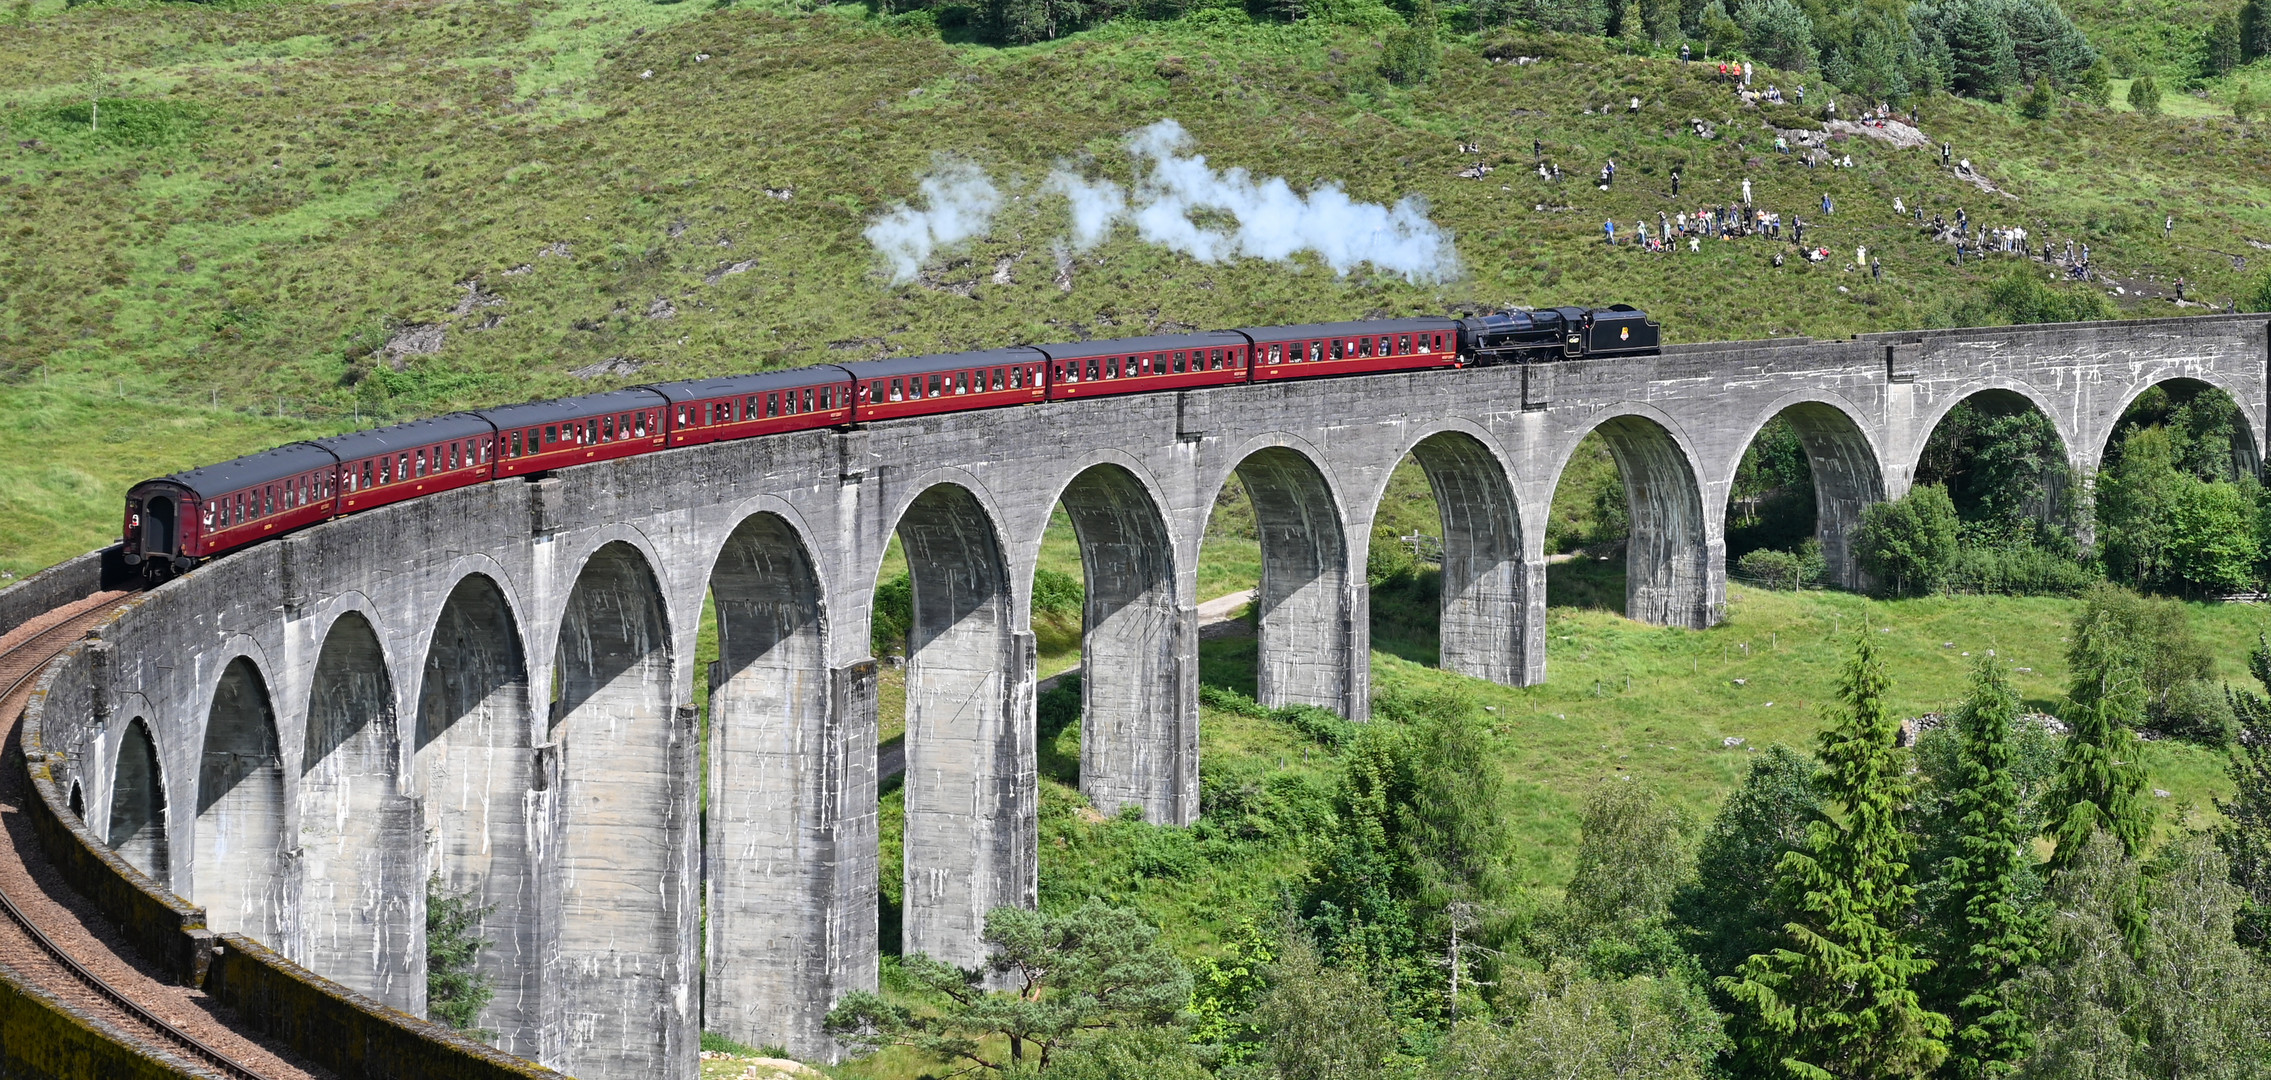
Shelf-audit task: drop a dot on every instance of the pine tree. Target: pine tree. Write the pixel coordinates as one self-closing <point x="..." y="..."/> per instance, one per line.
<point x="1840" y="1004"/>
<point x="2100" y="784"/>
<point x="1996" y="929"/>
<point x="1984" y="59"/>
<point x="2245" y="836"/>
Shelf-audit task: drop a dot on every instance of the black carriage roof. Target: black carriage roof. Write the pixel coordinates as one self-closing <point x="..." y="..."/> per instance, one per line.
<point x="906" y="365"/>
<point x="357" y="445"/>
<point x="1153" y="343"/>
<point x="253" y="470"/>
<point x="575" y="408"/>
<point x="731" y="385"/>
<point x="1348" y="329"/>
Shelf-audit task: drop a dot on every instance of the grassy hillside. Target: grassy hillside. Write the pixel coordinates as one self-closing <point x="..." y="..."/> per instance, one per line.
<point x="252" y="221"/>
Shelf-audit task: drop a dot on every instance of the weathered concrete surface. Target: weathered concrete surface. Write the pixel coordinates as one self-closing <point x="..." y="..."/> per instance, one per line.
<point x="577" y="822"/>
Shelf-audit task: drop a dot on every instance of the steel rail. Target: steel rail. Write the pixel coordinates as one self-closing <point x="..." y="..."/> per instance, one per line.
<point x="189" y="1043"/>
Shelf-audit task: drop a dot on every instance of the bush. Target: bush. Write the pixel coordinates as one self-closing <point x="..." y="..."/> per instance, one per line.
<point x="1413" y="53"/>
<point x="1909" y="543"/>
<point x="2040" y="103"/>
<point x="1783" y="569"/>
<point x="893" y="616"/>
<point x="2023" y="570"/>
<point x="2198" y="711"/>
<point x="2260" y="298"/>
<point x="2244" y="103"/>
<point x="1057" y="594"/>
<point x="2145" y="95"/>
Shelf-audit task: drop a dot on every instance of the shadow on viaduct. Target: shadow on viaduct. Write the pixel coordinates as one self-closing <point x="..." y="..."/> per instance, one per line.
<point x="492" y="686"/>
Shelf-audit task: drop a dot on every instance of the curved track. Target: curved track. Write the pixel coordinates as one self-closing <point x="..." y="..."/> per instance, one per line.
<point x="53" y="939"/>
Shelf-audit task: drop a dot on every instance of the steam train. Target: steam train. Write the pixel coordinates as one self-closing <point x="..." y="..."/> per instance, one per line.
<point x="173" y="522"/>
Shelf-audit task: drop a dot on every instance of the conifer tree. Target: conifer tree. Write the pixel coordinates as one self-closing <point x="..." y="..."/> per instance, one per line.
<point x="1838" y="1001"/>
<point x="2100" y="783"/>
<point x="2245" y="836"/>
<point x="1997" y="929"/>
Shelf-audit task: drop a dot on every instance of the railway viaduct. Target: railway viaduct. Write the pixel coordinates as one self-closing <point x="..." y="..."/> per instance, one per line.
<point x="493" y="685"/>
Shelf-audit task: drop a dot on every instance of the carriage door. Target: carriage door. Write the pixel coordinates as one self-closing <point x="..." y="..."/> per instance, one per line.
<point x="158" y="526"/>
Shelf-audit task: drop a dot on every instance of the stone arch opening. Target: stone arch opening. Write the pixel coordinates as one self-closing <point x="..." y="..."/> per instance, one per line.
<point x="625" y="770"/>
<point x="1485" y="587"/>
<point x="472" y="770"/>
<point x="1635" y="470"/>
<point x="1312" y="610"/>
<point x="361" y="870"/>
<point x="2177" y="468"/>
<point x="1139" y="722"/>
<point x="970" y="825"/>
<point x="137" y="829"/>
<point x="769" y="834"/>
<point x="1808" y="473"/>
<point x="2216" y="440"/>
<point x="2008" y="470"/>
<point x="240" y="809"/>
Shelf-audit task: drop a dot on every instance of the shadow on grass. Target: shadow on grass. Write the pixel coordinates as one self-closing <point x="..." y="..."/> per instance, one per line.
<point x="1232" y="663"/>
<point x="1585" y="582"/>
<point x="1407" y="616"/>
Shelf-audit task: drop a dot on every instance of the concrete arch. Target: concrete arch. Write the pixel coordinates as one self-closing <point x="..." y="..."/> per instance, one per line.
<point x="622" y="825"/>
<point x="1139" y="703"/>
<point x="1488" y="582"/>
<point x="2247" y="456"/>
<point x="240" y="809"/>
<point x="1314" y="634"/>
<point x="2014" y="395"/>
<point x="1848" y="469"/>
<point x="971" y="808"/>
<point x="472" y="772"/>
<point x="362" y="883"/>
<point x="769" y="830"/>
<point x="2069" y="435"/>
<point x="137" y="826"/>
<point x="1674" y="572"/>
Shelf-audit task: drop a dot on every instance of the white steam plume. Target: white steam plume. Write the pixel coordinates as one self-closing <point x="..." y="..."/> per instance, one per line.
<point x="1272" y="221"/>
<point x="1096" y="205"/>
<point x="962" y="201"/>
<point x="1263" y="219"/>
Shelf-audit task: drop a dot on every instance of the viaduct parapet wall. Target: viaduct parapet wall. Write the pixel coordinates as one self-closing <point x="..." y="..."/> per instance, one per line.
<point x="493" y="686"/>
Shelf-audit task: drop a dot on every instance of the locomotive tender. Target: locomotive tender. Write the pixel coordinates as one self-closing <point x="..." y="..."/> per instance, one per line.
<point x="175" y="521"/>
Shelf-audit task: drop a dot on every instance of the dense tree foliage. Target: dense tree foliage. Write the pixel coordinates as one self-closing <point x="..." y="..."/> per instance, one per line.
<point x="2245" y="835"/>
<point x="1837" y="997"/>
<point x="1989" y="907"/>
<point x="1909" y="543"/>
<point x="1067" y="978"/>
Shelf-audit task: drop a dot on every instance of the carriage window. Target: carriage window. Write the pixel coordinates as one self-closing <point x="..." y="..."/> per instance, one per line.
<point x="1403" y="344"/>
<point x="897" y="392"/>
<point x="933" y="386"/>
<point x="1179" y="363"/>
<point x="1364" y="346"/>
<point x="513" y="449"/>
<point x="607" y="432"/>
<point x="623" y="421"/>
<point x="639" y="423"/>
<point x="1001" y="379"/>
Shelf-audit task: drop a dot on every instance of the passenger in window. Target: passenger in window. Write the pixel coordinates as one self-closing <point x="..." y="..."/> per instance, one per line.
<point x="933" y="386"/>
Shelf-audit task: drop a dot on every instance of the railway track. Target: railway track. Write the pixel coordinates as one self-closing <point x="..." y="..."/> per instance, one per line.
<point x="24" y="653"/>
